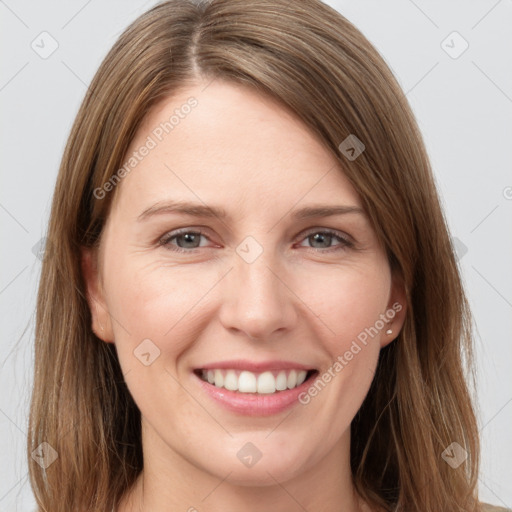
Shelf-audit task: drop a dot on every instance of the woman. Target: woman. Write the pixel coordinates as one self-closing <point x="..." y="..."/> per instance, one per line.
<point x="222" y="375"/>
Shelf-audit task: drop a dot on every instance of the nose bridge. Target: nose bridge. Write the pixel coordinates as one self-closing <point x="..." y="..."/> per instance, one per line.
<point x="259" y="303"/>
<point x="257" y="278"/>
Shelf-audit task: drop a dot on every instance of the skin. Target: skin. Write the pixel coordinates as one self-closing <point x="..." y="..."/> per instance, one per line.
<point x="300" y="300"/>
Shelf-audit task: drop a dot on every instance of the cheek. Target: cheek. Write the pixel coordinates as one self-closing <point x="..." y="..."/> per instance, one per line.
<point x="158" y="302"/>
<point x="351" y="310"/>
<point x="351" y="301"/>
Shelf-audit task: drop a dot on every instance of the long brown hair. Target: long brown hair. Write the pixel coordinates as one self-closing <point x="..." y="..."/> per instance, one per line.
<point x="316" y="63"/>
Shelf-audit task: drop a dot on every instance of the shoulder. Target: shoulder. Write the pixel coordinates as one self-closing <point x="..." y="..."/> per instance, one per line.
<point x="486" y="507"/>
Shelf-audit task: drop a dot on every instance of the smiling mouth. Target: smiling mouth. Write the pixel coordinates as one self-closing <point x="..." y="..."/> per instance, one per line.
<point x="244" y="381"/>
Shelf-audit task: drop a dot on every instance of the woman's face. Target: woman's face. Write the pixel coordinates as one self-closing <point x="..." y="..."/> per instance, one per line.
<point x="257" y="294"/>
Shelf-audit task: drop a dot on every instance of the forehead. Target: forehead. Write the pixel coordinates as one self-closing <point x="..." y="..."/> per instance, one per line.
<point x="223" y="143"/>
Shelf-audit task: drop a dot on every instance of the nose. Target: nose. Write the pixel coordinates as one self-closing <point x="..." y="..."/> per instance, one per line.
<point x="257" y="299"/>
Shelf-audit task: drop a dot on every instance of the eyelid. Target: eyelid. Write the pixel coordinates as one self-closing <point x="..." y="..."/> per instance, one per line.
<point x="164" y="239"/>
<point x="335" y="232"/>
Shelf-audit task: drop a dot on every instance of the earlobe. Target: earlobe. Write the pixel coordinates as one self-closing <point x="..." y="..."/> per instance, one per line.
<point x="101" y="323"/>
<point x="396" y="311"/>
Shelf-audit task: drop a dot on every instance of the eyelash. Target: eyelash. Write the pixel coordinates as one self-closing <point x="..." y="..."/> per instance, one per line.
<point x="345" y="242"/>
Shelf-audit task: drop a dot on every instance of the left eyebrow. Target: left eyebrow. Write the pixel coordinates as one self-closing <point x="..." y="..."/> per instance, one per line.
<point x="325" y="211"/>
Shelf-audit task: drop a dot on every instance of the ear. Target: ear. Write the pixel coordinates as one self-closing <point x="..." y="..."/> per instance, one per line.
<point x="101" y="321"/>
<point x="396" y="310"/>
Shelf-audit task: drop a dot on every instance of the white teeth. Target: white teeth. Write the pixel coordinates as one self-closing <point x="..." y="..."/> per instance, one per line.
<point x="230" y="381"/>
<point x="248" y="382"/>
<point x="301" y="377"/>
<point x="266" y="383"/>
<point x="281" y="381"/>
<point x="292" y="379"/>
<point x="219" y="379"/>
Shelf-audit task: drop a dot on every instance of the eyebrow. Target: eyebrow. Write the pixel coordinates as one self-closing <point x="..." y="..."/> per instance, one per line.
<point x="199" y="210"/>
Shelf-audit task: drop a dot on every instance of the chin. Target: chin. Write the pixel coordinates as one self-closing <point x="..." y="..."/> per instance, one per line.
<point x="263" y="472"/>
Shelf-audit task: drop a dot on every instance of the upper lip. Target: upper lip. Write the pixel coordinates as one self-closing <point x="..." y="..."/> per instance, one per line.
<point x="253" y="366"/>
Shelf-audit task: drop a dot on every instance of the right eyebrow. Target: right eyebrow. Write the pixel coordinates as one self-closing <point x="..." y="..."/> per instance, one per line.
<point x="183" y="207"/>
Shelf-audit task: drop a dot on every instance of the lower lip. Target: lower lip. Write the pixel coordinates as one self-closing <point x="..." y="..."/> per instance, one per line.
<point x="253" y="404"/>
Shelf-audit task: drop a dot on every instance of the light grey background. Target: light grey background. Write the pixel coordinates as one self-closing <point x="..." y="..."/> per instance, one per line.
<point x="464" y="109"/>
